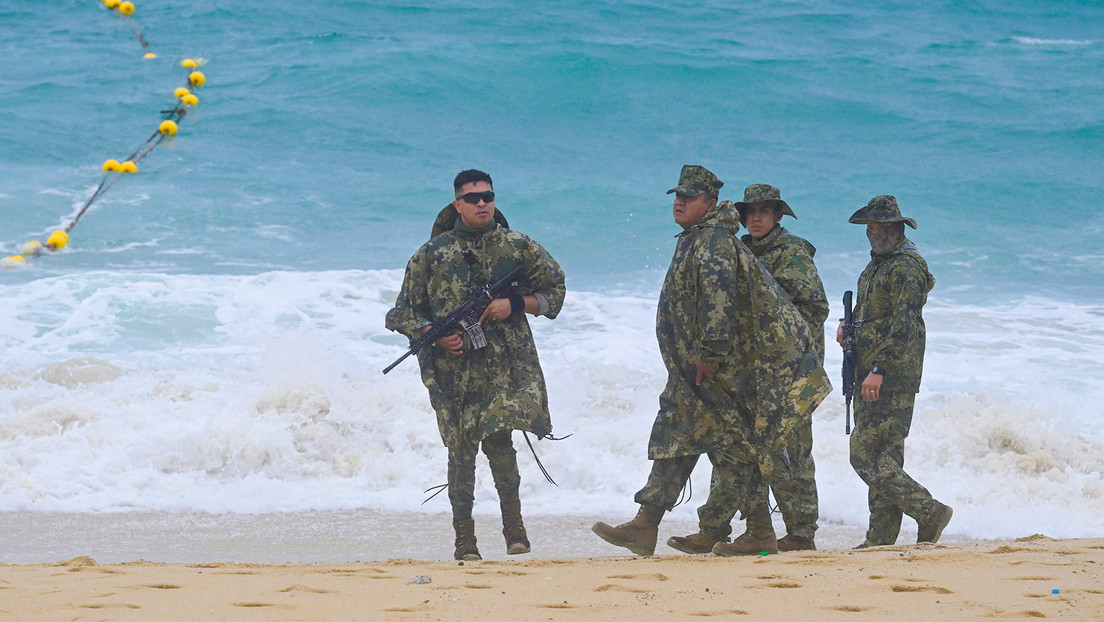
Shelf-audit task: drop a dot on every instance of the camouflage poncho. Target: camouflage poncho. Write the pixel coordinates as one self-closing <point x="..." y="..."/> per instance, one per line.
<point x="889" y="325"/>
<point x="719" y="305"/>
<point x="499" y="387"/>
<point x="789" y="259"/>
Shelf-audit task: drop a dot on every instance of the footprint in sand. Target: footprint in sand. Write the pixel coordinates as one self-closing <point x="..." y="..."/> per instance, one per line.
<point x="921" y="588"/>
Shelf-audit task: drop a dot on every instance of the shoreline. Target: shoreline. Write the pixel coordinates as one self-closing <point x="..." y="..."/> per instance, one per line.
<point x="330" y="536"/>
<point x="1034" y="576"/>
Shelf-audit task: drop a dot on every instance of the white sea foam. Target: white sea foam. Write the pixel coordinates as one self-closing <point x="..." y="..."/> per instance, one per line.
<point x="1038" y="41"/>
<point x="264" y="393"/>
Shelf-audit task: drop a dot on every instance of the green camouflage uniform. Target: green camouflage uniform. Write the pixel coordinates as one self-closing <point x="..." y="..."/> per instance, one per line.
<point x="889" y="333"/>
<point x="789" y="259"/>
<point x="719" y="306"/>
<point x="480" y="395"/>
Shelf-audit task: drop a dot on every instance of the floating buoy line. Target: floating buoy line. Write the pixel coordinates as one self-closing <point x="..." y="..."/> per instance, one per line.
<point x="184" y="99"/>
<point x="126" y="9"/>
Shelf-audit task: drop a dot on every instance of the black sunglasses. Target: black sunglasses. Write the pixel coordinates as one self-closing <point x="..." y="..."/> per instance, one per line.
<point x="473" y="198"/>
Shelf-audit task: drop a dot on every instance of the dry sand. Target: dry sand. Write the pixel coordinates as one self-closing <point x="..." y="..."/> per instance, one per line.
<point x="1034" y="577"/>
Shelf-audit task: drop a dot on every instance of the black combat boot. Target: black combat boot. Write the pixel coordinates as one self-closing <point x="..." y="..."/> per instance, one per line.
<point x="465" y="540"/>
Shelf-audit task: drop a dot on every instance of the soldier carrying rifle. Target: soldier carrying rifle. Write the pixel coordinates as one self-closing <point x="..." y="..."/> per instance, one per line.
<point x="481" y="394"/>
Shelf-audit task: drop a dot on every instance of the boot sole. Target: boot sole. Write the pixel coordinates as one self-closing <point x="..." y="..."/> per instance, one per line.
<point x="632" y="546"/>
<point x="517" y="548"/>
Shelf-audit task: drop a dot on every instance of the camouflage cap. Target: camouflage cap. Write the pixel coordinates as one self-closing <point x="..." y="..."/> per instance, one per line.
<point x="882" y="209"/>
<point x="695" y="180"/>
<point x="763" y="193"/>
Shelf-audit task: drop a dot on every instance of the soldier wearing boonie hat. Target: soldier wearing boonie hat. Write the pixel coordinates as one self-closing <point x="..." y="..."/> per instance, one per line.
<point x="889" y="350"/>
<point x="789" y="259"/>
<point x="734" y="347"/>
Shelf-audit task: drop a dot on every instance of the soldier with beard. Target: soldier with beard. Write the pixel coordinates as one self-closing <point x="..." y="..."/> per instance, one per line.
<point x="890" y="338"/>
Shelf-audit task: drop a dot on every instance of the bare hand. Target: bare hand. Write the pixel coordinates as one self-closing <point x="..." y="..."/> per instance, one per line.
<point x="839" y="334"/>
<point x="872" y="387"/>
<point x="704" y="371"/>
<point x="498" y="310"/>
<point x="453" y="343"/>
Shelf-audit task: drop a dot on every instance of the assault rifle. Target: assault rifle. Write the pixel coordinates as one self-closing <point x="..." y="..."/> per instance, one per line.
<point x="466" y="317"/>
<point x="848" y="357"/>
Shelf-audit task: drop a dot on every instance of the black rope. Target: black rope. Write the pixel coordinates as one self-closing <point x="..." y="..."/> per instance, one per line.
<point x="438" y="488"/>
<point x="532" y="449"/>
<point x="685" y="494"/>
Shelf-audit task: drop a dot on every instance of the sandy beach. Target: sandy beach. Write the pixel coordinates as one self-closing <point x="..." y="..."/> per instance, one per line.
<point x="1031" y="577"/>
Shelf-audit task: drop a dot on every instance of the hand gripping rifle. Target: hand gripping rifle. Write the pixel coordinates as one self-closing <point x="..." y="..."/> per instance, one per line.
<point x="466" y="317"/>
<point x="848" y="357"/>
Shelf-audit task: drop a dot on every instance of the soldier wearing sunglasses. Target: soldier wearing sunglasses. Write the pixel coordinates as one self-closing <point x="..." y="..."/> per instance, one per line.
<point x="481" y="394"/>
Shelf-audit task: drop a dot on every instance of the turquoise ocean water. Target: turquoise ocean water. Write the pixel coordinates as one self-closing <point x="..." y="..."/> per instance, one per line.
<point x="212" y="338"/>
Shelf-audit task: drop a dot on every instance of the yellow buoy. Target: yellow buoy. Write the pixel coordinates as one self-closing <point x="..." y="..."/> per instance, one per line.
<point x="15" y="261"/>
<point x="189" y="62"/>
<point x="57" y="240"/>
<point x="126" y="8"/>
<point x="111" y="4"/>
<point x="128" y="167"/>
<point x="167" y="127"/>
<point x="180" y="92"/>
<point x="196" y="78"/>
<point x="190" y="99"/>
<point x="34" y="247"/>
<point x="150" y="55"/>
<point x="111" y="166"/>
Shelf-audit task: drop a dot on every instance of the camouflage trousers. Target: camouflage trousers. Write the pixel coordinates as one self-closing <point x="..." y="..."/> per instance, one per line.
<point x="878" y="456"/>
<point x="794" y="488"/>
<point x="669" y="476"/>
<point x="500" y="452"/>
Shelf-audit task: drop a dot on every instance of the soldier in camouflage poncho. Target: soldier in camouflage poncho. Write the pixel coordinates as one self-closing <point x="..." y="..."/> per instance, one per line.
<point x="481" y="395"/>
<point x="889" y="349"/>
<point x="741" y="367"/>
<point x="789" y="259"/>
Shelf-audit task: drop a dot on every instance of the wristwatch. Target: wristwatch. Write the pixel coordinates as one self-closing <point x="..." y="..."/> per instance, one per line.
<point x="877" y="370"/>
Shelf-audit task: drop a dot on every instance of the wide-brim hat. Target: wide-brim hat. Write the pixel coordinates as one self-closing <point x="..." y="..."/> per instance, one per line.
<point x="760" y="194"/>
<point x="881" y="210"/>
<point x="446" y="220"/>
<point x="695" y="180"/>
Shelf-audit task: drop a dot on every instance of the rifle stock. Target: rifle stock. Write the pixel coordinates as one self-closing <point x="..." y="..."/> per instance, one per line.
<point x="848" y="357"/>
<point x="466" y="317"/>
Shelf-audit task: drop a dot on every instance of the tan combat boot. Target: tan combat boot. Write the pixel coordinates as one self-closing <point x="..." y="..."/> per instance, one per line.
<point x="790" y="542"/>
<point x="696" y="544"/>
<point x="758" y="538"/>
<point x="931" y="529"/>
<point x="638" y="535"/>
<point x="513" y="529"/>
<point x="465" y="540"/>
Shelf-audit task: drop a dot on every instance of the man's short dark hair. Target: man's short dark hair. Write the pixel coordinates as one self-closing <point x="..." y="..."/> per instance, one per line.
<point x="470" y="176"/>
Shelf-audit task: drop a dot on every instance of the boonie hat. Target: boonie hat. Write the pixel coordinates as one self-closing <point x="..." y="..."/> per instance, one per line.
<point x="695" y="180"/>
<point x="763" y="193"/>
<point x="881" y="210"/>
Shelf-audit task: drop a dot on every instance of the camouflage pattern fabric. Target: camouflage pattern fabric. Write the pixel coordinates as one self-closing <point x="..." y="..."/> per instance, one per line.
<point x="501" y="386"/>
<point x="695" y="180"/>
<point x="666" y="481"/>
<point x="882" y="209"/>
<point x="500" y="452"/>
<point x="719" y="306"/>
<point x="889" y="325"/>
<point x="789" y="259"/>
<point x="878" y="456"/>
